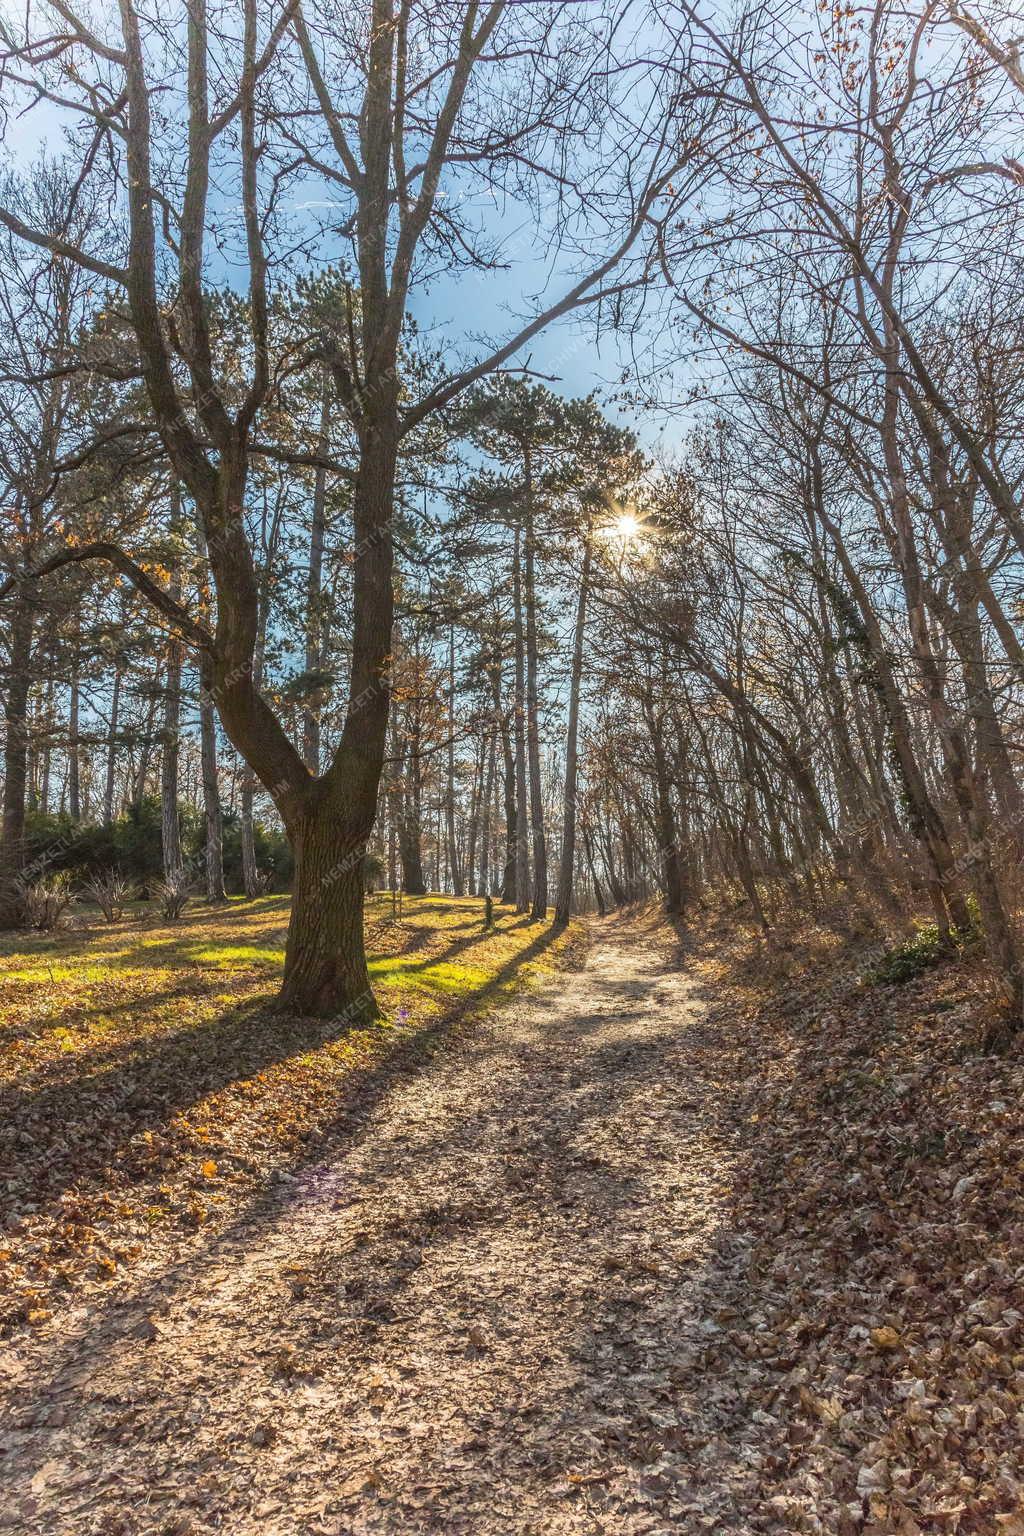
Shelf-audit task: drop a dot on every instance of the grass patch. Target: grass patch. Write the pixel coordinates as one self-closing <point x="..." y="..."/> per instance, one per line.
<point x="147" y="1086"/>
<point x="925" y="948"/>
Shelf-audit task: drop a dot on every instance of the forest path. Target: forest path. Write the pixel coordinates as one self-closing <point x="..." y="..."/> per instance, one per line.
<point x="484" y="1316"/>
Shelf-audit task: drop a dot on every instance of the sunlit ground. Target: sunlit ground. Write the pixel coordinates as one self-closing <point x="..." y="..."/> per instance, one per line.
<point x="144" y="1072"/>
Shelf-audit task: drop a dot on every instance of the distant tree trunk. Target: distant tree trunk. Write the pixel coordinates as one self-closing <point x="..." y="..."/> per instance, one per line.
<point x="170" y="829"/>
<point x="110" y="777"/>
<point x="314" y="598"/>
<point x="588" y="846"/>
<point x="146" y="744"/>
<point x="410" y="825"/>
<point x="487" y="805"/>
<point x="508" y="877"/>
<point x="19" y="678"/>
<point x="668" y="840"/>
<point x="522" y="827"/>
<point x="618" y="890"/>
<point x="475" y="812"/>
<point x="563" y="901"/>
<point x="74" y="783"/>
<point x="46" y="757"/>
<point x="458" y="888"/>
<point x="211" y="790"/>
<point x="539" y="910"/>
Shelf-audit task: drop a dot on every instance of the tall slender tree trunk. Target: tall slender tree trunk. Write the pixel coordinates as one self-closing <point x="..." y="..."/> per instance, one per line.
<point x="487" y="807"/>
<point x="566" y="867"/>
<point x="522" y="824"/>
<point x="477" y="810"/>
<point x="212" y="814"/>
<point x="539" y="909"/>
<point x="19" y="679"/>
<point x="170" y="829"/>
<point x="454" y="865"/>
<point x="74" y="709"/>
<point x="110" y="777"/>
<point x="588" y="848"/>
<point x="46" y="757"/>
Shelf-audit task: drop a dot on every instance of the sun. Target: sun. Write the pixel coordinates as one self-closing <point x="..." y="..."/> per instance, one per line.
<point x="626" y="528"/>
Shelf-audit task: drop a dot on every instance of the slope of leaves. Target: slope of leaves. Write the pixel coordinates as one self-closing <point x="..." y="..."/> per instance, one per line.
<point x="148" y="1090"/>
<point x="881" y="1191"/>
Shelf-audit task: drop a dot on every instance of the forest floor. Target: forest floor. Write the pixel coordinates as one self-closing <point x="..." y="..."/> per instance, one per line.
<point x="694" y="1237"/>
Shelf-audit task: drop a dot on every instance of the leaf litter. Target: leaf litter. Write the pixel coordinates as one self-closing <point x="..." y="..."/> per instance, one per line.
<point x="656" y="1248"/>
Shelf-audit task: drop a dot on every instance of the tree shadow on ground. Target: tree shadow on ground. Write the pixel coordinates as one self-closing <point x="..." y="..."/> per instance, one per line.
<point x="88" y="1128"/>
<point x="601" y="1404"/>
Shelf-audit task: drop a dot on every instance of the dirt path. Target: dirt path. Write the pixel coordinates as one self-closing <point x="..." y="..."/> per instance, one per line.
<point x="485" y="1316"/>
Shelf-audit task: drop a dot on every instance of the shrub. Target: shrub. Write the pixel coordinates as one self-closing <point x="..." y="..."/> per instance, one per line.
<point x="111" y="892"/>
<point x="173" y="894"/>
<point x="273" y="854"/>
<point x="38" y="903"/>
<point x="925" y="948"/>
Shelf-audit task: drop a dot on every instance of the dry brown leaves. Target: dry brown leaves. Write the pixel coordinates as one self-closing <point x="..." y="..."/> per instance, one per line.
<point x="882" y="1185"/>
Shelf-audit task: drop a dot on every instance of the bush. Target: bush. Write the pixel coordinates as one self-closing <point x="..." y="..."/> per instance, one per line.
<point x="173" y="894"/>
<point x="111" y="892"/>
<point x="273" y="855"/>
<point x="38" y="903"/>
<point x="925" y="948"/>
<point x="911" y="958"/>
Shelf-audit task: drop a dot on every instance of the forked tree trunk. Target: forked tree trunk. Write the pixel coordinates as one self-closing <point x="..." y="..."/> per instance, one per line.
<point x="331" y="818"/>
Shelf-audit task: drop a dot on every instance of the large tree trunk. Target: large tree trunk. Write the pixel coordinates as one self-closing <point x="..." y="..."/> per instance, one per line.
<point x="563" y="900"/>
<point x="325" y="970"/>
<point x="539" y="909"/>
<point x="314" y="600"/>
<point x="325" y="957"/>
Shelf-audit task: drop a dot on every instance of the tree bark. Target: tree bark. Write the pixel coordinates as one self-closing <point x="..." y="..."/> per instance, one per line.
<point x="314" y="599"/>
<point x="454" y="865"/>
<point x="563" y="900"/>
<point x="539" y="908"/>
<point x="211" y="791"/>
<point x="17" y="734"/>
<point x="522" y="827"/>
<point x="111" y="769"/>
<point x="170" y="830"/>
